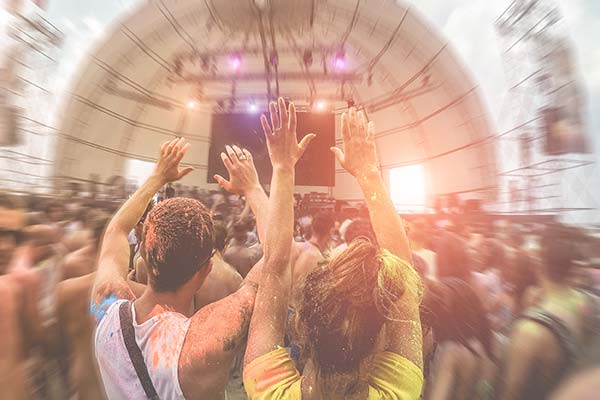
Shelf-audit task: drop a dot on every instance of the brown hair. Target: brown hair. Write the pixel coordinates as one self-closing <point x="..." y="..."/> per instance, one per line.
<point x="178" y="240"/>
<point x="345" y="304"/>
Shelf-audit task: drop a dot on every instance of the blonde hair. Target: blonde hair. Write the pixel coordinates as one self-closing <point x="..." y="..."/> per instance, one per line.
<point x="346" y="302"/>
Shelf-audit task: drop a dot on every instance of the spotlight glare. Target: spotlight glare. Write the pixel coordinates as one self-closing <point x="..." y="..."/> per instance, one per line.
<point x="191" y="104"/>
<point x="252" y="108"/>
<point x="235" y="62"/>
<point x="339" y="60"/>
<point x="321" y="105"/>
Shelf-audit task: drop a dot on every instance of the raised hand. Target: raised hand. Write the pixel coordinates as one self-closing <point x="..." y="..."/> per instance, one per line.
<point x="171" y="154"/>
<point x="242" y="172"/>
<point x="284" y="149"/>
<point x="359" y="154"/>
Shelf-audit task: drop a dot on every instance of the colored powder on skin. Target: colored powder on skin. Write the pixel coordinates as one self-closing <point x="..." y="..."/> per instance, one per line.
<point x="99" y="311"/>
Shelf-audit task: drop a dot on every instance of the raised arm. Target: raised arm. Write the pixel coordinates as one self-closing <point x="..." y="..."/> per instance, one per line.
<point x="110" y="283"/>
<point x="359" y="158"/>
<point x="267" y="326"/>
<point x="243" y="180"/>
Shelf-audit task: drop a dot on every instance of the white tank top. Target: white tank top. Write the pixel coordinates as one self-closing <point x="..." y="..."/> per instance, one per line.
<point x="160" y="339"/>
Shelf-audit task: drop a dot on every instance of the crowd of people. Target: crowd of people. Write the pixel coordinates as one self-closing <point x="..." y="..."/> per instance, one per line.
<point x="244" y="293"/>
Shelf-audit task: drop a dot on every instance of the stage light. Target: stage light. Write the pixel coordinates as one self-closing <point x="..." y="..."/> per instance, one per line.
<point x="235" y="61"/>
<point x="191" y="104"/>
<point x="252" y="108"/>
<point x="321" y="105"/>
<point x="339" y="60"/>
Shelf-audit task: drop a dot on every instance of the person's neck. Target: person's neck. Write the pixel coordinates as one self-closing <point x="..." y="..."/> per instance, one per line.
<point x="320" y="241"/>
<point x="152" y="303"/>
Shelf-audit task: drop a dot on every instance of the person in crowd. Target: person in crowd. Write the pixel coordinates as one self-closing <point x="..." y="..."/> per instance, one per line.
<point x="460" y="363"/>
<point x="345" y="303"/>
<point x="486" y="277"/>
<point x="518" y="286"/>
<point x="83" y="261"/>
<point x="155" y="346"/>
<point x="239" y="253"/>
<point x="223" y="279"/>
<point x="353" y="229"/>
<point x="417" y="237"/>
<point x="452" y="258"/>
<point x="550" y="339"/>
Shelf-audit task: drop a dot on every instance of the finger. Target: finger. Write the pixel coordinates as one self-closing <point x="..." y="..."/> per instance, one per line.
<point x="352" y="121"/>
<point x="371" y="130"/>
<point x="248" y="155"/>
<point x="306" y="141"/>
<point x="362" y="124"/>
<point x="283" y="114"/>
<point x="184" y="172"/>
<point x="224" y="183"/>
<point x="345" y="127"/>
<point x="274" y="117"/>
<point x="238" y="152"/>
<point x="169" y="147"/>
<point x="339" y="155"/>
<point x="265" y="125"/>
<point x="178" y="144"/>
<point x="182" y="152"/>
<point x="227" y="162"/>
<point x="232" y="156"/>
<point x="163" y="146"/>
<point x="292" y="118"/>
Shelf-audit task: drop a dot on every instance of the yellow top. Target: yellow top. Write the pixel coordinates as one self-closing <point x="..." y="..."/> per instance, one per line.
<point x="273" y="376"/>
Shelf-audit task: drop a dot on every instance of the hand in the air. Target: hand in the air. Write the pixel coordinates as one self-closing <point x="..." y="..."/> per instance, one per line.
<point x="359" y="154"/>
<point x="284" y="149"/>
<point x="171" y="153"/>
<point x="242" y="172"/>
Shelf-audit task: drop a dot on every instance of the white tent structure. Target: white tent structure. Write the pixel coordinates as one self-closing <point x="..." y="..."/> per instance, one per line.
<point x="167" y="67"/>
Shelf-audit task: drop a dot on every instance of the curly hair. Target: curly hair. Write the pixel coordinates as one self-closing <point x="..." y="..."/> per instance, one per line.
<point x="177" y="241"/>
<point x="346" y="303"/>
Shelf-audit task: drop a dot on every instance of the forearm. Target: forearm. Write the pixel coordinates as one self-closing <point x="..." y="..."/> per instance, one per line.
<point x="280" y="226"/>
<point x="259" y="204"/>
<point x="386" y="222"/>
<point x="114" y="255"/>
<point x="132" y="211"/>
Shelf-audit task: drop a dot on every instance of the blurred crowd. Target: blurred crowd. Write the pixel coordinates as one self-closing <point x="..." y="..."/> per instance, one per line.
<point x="490" y="283"/>
<point x="510" y="309"/>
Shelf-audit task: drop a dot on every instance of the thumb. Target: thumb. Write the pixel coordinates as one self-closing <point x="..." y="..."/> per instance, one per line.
<point x="184" y="172"/>
<point x="222" y="182"/>
<point x="306" y="141"/>
<point x="339" y="154"/>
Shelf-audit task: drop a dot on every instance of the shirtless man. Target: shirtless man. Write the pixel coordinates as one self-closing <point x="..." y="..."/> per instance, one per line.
<point x="244" y="181"/>
<point x="238" y="253"/>
<point x="183" y="354"/>
<point x="223" y="279"/>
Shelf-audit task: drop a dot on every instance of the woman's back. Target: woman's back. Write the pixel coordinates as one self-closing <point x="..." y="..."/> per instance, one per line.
<point x="458" y="372"/>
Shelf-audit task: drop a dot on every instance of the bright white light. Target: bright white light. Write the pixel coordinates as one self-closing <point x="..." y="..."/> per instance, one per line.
<point x="321" y="106"/>
<point x="236" y="62"/>
<point x="138" y="170"/>
<point x="252" y="108"/>
<point x="191" y="104"/>
<point x="407" y="188"/>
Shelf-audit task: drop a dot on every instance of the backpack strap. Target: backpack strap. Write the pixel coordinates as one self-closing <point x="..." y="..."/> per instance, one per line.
<point x="558" y="329"/>
<point x="135" y="354"/>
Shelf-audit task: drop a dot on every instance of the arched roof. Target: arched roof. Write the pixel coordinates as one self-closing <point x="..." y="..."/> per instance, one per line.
<point x="132" y="92"/>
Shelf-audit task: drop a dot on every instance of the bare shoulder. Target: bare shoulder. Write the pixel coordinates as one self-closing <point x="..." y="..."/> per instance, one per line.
<point x="214" y="337"/>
